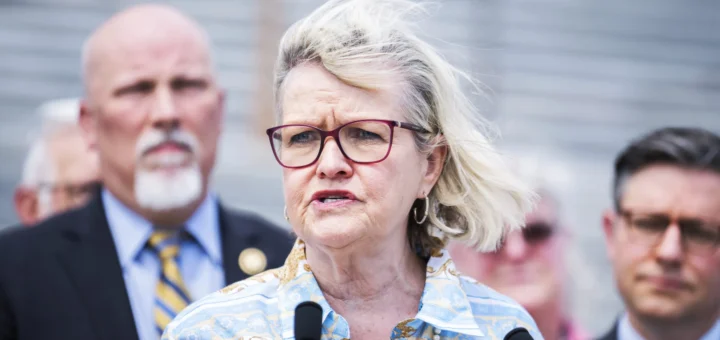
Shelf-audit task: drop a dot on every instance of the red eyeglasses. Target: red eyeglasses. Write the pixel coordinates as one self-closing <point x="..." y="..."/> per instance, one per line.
<point x="364" y="141"/>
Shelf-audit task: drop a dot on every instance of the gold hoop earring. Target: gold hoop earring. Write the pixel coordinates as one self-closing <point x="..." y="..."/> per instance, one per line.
<point x="427" y="210"/>
<point x="285" y="213"/>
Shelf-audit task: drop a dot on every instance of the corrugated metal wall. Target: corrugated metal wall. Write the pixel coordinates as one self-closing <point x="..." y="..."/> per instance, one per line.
<point x="572" y="80"/>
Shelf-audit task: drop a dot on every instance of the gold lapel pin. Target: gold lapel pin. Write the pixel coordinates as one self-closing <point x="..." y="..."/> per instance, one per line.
<point x="252" y="261"/>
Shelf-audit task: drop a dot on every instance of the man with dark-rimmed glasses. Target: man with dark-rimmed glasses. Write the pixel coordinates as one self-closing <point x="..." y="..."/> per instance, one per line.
<point x="663" y="236"/>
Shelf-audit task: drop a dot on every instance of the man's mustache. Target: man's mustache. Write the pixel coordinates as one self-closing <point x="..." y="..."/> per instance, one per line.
<point x="180" y="145"/>
<point x="153" y="140"/>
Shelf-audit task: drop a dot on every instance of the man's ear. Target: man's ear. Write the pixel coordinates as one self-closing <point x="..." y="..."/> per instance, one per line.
<point x="26" y="205"/>
<point x="222" y="100"/>
<point x="609" y="220"/>
<point x="88" y="125"/>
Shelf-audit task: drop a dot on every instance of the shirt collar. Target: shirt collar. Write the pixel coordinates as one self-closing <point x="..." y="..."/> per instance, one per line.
<point x="131" y="231"/>
<point x="444" y="303"/>
<point x="713" y="333"/>
<point x="203" y="225"/>
<point x="627" y="332"/>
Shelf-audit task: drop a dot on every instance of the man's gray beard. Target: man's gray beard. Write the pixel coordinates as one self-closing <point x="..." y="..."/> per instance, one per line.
<point x="159" y="191"/>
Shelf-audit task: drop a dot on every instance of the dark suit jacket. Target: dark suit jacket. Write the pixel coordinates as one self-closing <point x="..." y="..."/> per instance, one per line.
<point x="612" y="334"/>
<point x="62" y="278"/>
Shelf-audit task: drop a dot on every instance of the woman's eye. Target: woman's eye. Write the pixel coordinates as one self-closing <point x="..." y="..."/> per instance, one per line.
<point x="364" y="134"/>
<point x="302" y="137"/>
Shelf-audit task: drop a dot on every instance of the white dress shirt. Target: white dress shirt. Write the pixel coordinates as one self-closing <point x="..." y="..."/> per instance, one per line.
<point x="627" y="332"/>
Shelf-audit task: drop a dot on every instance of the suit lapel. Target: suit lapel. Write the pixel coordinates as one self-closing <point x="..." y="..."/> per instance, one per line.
<point x="235" y="238"/>
<point x="91" y="262"/>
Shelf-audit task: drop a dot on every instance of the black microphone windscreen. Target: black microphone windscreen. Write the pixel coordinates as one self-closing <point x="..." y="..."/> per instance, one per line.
<point x="518" y="334"/>
<point x="308" y="321"/>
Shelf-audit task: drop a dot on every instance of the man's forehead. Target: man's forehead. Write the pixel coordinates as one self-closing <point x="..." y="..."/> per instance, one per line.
<point x="143" y="36"/>
<point x="152" y="62"/>
<point x="67" y="140"/>
<point x="546" y="210"/>
<point x="138" y="52"/>
<point x="72" y="154"/>
<point x="673" y="188"/>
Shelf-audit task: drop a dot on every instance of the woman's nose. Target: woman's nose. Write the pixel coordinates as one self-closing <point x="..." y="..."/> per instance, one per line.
<point x="332" y="162"/>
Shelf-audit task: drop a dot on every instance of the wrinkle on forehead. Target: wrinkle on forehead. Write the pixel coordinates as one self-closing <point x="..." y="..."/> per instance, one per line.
<point x="143" y="29"/>
<point x="312" y="95"/>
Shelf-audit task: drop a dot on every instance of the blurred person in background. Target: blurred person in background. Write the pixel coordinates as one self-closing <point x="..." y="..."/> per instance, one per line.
<point x="60" y="171"/>
<point x="663" y="235"/>
<point x="154" y="238"/>
<point x="385" y="159"/>
<point x="530" y="265"/>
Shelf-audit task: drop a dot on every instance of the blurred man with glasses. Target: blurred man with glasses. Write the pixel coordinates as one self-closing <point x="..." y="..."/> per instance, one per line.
<point x="663" y="235"/>
<point x="60" y="171"/>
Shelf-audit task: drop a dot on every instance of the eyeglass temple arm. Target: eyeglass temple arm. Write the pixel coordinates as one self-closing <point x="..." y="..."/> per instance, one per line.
<point x="412" y="127"/>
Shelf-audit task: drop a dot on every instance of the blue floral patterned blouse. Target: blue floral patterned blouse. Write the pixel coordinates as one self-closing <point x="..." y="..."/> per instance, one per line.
<point x="262" y="307"/>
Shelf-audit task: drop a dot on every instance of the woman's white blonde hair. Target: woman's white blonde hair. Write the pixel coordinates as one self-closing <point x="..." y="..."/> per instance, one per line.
<point x="372" y="45"/>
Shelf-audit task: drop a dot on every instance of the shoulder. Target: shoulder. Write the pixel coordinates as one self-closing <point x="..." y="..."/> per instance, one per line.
<point x="252" y="220"/>
<point x="254" y="230"/>
<point x="23" y="247"/>
<point x="247" y="307"/>
<point x="20" y="238"/>
<point x="496" y="311"/>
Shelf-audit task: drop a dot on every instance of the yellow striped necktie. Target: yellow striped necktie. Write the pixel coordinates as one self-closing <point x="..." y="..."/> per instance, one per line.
<point x="171" y="296"/>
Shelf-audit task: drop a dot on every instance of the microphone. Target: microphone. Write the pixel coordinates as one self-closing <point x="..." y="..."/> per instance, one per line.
<point x="308" y="321"/>
<point x="518" y="334"/>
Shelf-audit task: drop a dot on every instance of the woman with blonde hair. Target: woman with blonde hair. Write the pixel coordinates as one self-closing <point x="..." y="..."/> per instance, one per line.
<point x="385" y="160"/>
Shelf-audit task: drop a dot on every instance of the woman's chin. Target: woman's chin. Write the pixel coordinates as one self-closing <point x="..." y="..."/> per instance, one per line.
<point x="333" y="232"/>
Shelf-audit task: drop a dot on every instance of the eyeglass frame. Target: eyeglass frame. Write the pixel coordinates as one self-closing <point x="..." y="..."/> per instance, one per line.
<point x="335" y="134"/>
<point x="627" y="218"/>
<point x="547" y="230"/>
<point x="70" y="189"/>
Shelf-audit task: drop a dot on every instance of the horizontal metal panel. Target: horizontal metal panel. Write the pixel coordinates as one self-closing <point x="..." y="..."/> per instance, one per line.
<point x="594" y="12"/>
<point x="611" y="68"/>
<point x="562" y="41"/>
<point x="692" y="98"/>
<point x="585" y="112"/>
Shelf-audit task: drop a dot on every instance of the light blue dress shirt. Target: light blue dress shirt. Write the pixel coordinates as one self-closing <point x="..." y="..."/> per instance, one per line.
<point x="627" y="332"/>
<point x="200" y="261"/>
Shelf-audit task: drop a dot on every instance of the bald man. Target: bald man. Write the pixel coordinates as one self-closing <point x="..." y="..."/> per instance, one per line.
<point x="154" y="238"/>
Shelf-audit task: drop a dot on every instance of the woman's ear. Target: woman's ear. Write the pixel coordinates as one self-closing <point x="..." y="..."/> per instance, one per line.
<point x="435" y="164"/>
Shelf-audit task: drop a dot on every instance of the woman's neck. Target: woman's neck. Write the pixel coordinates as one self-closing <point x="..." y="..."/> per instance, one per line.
<point x="356" y="278"/>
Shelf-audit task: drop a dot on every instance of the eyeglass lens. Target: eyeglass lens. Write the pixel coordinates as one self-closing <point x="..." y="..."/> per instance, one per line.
<point x="361" y="142"/>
